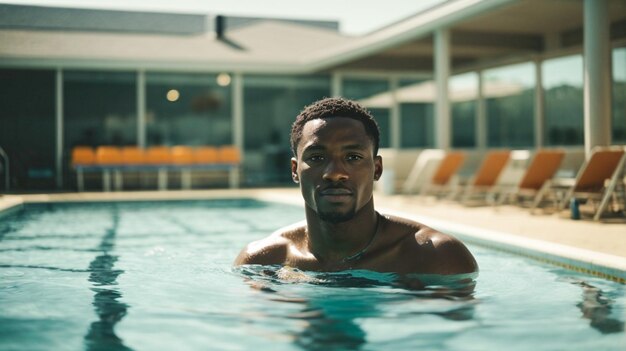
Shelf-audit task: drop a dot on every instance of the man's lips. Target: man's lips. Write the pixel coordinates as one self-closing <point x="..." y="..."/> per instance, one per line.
<point x="335" y="192"/>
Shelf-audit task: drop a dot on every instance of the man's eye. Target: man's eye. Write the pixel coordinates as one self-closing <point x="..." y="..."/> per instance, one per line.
<point x="315" y="158"/>
<point x="354" y="157"/>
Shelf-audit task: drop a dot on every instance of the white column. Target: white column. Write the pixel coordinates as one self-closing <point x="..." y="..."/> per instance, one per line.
<point x="442" y="73"/>
<point x="396" y="134"/>
<point x="141" y="108"/>
<point x="238" y="112"/>
<point x="597" y="72"/>
<point x="481" y="115"/>
<point x="336" y="88"/>
<point x="59" y="128"/>
<point x="540" y="120"/>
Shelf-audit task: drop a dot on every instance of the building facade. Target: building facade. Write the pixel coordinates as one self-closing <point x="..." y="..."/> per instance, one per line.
<point x="464" y="74"/>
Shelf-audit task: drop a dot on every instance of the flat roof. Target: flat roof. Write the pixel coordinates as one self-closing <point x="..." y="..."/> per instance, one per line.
<point x="482" y="32"/>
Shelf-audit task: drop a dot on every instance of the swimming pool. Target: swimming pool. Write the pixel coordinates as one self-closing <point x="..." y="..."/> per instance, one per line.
<point x="158" y="276"/>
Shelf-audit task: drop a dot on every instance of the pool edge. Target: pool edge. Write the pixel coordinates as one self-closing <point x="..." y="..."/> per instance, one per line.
<point x="585" y="261"/>
<point x="9" y="205"/>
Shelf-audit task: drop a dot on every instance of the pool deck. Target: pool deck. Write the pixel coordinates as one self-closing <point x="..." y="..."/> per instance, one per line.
<point x="595" y="247"/>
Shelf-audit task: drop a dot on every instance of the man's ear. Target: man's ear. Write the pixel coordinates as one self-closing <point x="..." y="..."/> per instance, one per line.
<point x="378" y="167"/>
<point x="294" y="170"/>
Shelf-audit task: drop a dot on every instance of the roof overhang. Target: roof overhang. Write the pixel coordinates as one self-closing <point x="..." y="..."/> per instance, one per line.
<point x="483" y="33"/>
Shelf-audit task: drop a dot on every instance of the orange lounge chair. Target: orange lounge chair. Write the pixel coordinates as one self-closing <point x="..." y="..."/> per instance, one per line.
<point x="133" y="156"/>
<point x="110" y="159"/>
<point x="539" y="172"/>
<point x="229" y="154"/>
<point x="83" y="156"/>
<point x="182" y="155"/>
<point x="158" y="155"/>
<point x="598" y="180"/>
<point x="205" y="155"/>
<point x="108" y="156"/>
<point x="447" y="168"/>
<point x="485" y="178"/>
<point x="161" y="158"/>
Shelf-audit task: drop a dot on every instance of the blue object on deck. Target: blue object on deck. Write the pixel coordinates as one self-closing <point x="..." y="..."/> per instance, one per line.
<point x="574" y="210"/>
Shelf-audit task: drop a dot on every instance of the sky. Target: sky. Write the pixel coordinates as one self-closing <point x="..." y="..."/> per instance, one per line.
<point x="355" y="17"/>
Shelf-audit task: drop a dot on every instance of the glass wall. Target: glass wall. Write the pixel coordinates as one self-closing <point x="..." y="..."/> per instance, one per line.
<point x="509" y="98"/>
<point x="415" y="100"/>
<point x="563" y="101"/>
<point x="619" y="95"/>
<point x="271" y="104"/>
<point x="99" y="108"/>
<point x="373" y="94"/>
<point x="28" y="128"/>
<point x="463" y="97"/>
<point x="188" y="109"/>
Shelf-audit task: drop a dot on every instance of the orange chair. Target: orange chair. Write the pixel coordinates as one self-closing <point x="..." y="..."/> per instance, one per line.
<point x="158" y="155"/>
<point x="229" y="154"/>
<point x="205" y="155"/>
<point x="542" y="168"/>
<point x="537" y="176"/>
<point x="133" y="156"/>
<point x="446" y="169"/>
<point x="182" y="155"/>
<point x="83" y="156"/>
<point x="110" y="159"/>
<point x="487" y="174"/>
<point x="599" y="178"/>
<point x="108" y="155"/>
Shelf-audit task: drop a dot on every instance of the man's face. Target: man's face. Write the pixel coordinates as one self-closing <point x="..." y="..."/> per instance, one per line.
<point x="335" y="167"/>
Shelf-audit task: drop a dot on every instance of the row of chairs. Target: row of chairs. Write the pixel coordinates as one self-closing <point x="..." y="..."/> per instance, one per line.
<point x="156" y="155"/>
<point x="598" y="181"/>
<point x="112" y="162"/>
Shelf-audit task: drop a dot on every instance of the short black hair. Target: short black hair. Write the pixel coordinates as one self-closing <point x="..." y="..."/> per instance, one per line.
<point x="335" y="107"/>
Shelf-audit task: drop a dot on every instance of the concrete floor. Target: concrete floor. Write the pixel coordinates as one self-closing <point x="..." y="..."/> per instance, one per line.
<point x="607" y="237"/>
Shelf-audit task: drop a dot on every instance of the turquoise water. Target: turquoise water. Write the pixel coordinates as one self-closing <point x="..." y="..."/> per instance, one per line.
<point x="158" y="276"/>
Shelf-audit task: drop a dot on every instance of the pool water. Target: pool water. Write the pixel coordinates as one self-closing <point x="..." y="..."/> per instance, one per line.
<point x="158" y="276"/>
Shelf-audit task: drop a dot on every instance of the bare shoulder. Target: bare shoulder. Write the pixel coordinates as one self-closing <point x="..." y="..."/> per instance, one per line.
<point x="273" y="249"/>
<point x="431" y="251"/>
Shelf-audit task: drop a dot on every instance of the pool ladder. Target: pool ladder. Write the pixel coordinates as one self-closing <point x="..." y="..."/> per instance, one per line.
<point x="5" y="157"/>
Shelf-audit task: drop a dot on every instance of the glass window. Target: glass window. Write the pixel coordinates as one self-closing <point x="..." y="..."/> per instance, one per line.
<point x="271" y="104"/>
<point x="509" y="95"/>
<point x="28" y="127"/>
<point x="188" y="109"/>
<point x="417" y="125"/>
<point x="463" y="96"/>
<point x="374" y="95"/>
<point x="415" y="100"/>
<point x="563" y="96"/>
<point x="100" y="108"/>
<point x="619" y="95"/>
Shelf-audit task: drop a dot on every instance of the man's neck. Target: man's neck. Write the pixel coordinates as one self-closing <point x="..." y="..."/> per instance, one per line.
<point x="333" y="242"/>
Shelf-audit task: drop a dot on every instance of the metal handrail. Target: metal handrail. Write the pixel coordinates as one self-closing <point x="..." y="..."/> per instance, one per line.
<point x="6" y="163"/>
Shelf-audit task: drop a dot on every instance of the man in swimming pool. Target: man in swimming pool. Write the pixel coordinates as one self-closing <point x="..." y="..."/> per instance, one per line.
<point x="335" y="146"/>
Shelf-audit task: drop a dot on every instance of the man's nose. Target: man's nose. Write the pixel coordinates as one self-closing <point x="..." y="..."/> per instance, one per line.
<point x="335" y="171"/>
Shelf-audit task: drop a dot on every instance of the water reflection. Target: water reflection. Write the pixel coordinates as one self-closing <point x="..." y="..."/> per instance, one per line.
<point x="336" y="306"/>
<point x="328" y="327"/>
<point x="101" y="334"/>
<point x="596" y="307"/>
